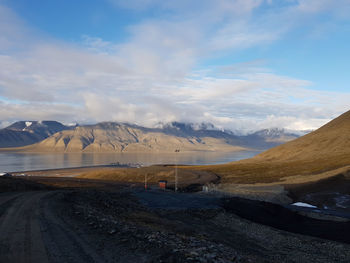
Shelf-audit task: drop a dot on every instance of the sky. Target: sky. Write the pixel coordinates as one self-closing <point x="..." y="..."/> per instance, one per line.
<point x="242" y="65"/>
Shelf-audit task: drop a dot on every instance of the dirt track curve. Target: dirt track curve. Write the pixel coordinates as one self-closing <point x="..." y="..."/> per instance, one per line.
<point x="31" y="232"/>
<point x="120" y="223"/>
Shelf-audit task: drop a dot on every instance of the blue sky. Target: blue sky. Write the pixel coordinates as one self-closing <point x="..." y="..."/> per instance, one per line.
<point x="240" y="64"/>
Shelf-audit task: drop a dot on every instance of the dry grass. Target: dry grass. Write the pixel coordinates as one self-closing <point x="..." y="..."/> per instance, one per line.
<point x="333" y="139"/>
<point x="253" y="171"/>
<point x="242" y="172"/>
<point x="66" y="172"/>
<point x="325" y="149"/>
<point x="154" y="174"/>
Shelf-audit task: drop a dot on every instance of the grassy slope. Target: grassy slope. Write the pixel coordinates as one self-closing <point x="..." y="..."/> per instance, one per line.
<point x="254" y="171"/>
<point x="333" y="139"/>
<point x="154" y="174"/>
<point x="325" y="149"/>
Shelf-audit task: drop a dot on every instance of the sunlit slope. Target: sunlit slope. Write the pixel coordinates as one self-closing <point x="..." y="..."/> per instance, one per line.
<point x="333" y="139"/>
<point x="325" y="149"/>
<point x="112" y="137"/>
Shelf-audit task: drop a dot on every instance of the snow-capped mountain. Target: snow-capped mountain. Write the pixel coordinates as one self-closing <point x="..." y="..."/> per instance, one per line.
<point x="23" y="133"/>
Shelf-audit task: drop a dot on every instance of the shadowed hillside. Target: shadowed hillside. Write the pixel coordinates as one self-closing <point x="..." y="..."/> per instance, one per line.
<point x="23" y="133"/>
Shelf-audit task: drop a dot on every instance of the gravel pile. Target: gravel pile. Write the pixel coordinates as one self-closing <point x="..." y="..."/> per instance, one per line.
<point x="128" y="223"/>
<point x="127" y="231"/>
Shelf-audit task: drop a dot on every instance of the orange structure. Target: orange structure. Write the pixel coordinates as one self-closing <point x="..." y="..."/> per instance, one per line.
<point x="162" y="184"/>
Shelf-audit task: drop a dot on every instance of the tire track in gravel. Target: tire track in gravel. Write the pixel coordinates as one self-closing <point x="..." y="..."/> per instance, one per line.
<point x="63" y="245"/>
<point x="20" y="235"/>
<point x="31" y="232"/>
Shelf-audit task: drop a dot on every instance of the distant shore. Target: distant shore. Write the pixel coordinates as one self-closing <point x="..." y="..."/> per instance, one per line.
<point x="66" y="172"/>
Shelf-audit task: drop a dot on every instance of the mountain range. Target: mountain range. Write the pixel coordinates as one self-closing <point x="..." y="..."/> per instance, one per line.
<point x="52" y="136"/>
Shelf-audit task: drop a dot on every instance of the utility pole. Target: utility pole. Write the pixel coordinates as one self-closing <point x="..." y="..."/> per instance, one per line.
<point x="176" y="179"/>
<point x="145" y="181"/>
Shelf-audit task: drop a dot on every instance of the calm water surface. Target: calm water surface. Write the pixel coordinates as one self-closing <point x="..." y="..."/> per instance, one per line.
<point x="12" y="162"/>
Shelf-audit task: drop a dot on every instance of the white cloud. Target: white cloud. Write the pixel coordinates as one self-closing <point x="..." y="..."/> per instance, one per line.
<point x="152" y="78"/>
<point x="228" y="6"/>
<point x="339" y="7"/>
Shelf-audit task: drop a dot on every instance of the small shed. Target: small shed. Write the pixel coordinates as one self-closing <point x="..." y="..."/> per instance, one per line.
<point x="162" y="184"/>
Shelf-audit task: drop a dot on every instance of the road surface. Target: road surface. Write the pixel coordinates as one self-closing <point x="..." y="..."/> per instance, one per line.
<point x="32" y="232"/>
<point x="131" y="225"/>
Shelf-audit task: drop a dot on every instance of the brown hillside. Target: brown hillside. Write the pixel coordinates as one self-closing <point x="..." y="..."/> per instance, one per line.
<point x="323" y="150"/>
<point x="332" y="139"/>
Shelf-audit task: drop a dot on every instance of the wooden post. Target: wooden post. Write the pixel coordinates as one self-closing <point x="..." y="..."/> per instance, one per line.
<point x="176" y="179"/>
<point x="145" y="181"/>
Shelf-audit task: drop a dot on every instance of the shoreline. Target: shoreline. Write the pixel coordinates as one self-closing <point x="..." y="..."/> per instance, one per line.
<point x="66" y="172"/>
<point x="20" y="162"/>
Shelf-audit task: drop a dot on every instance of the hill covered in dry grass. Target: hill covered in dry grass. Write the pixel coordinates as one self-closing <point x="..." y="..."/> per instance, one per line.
<point x="323" y="150"/>
<point x="333" y="139"/>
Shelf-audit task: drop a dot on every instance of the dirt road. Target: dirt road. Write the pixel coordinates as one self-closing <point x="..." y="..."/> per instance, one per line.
<point x="123" y="223"/>
<point x="31" y="232"/>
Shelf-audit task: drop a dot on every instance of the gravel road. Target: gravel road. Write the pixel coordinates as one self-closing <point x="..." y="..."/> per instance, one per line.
<point x="126" y="224"/>
<point x="32" y="232"/>
<point x="21" y="234"/>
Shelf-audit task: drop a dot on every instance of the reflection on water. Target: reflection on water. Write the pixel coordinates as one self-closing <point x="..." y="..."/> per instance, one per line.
<point x="11" y="162"/>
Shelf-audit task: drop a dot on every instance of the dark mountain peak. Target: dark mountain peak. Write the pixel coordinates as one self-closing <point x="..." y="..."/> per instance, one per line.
<point x="274" y="133"/>
<point x="20" y="125"/>
<point x="23" y="133"/>
<point x="271" y="132"/>
<point x="107" y="125"/>
<point x="112" y="125"/>
<point x="31" y="125"/>
<point x="182" y="126"/>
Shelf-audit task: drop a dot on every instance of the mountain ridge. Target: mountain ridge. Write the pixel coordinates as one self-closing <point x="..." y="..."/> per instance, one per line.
<point x="117" y="137"/>
<point x="122" y="137"/>
<point x="24" y="133"/>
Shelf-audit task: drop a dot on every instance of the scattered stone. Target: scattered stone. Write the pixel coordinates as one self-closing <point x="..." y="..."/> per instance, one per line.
<point x="113" y="231"/>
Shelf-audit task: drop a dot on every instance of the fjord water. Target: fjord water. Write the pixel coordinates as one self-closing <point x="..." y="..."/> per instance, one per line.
<point x="15" y="162"/>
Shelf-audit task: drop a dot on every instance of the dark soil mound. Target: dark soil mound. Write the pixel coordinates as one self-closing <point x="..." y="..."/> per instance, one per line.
<point x="282" y="218"/>
<point x="10" y="184"/>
